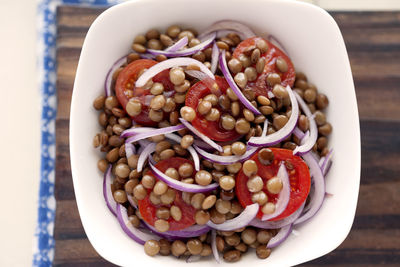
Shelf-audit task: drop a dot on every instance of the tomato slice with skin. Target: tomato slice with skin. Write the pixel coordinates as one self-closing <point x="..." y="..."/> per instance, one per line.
<point x="299" y="177"/>
<point x="212" y="129"/>
<point x="124" y="87"/>
<point x="260" y="85"/>
<point x="148" y="209"/>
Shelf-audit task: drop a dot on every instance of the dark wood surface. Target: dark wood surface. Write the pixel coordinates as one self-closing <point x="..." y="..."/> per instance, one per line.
<point x="373" y="43"/>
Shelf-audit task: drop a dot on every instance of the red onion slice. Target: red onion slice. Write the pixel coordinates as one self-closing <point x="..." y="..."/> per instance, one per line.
<point x="193" y="258"/>
<point x="140" y="130"/>
<point x="129" y="229"/>
<point x="147" y="56"/>
<point x="299" y="133"/>
<point x="178" y="45"/>
<point x="181" y="186"/>
<point x="326" y="164"/>
<point x="210" y="83"/>
<point x="226" y="160"/>
<point x="131" y="201"/>
<point x="170" y="63"/>
<point x="214" y="58"/>
<point x="243" y="30"/>
<point x="107" y="193"/>
<point x="191" y="231"/>
<point x="282" y="235"/>
<point x="233" y="85"/>
<point x="285" y="131"/>
<point x="317" y="198"/>
<point x="184" y="52"/>
<point x="312" y="138"/>
<point x="108" y="81"/>
<point x="276" y="42"/>
<point x="278" y="224"/>
<point x="191" y="150"/>
<point x="144" y="156"/>
<point x="214" y="246"/>
<point x="129" y="150"/>
<point x="284" y="195"/>
<point x="247" y="215"/>
<point x="151" y="133"/>
<point x="201" y="135"/>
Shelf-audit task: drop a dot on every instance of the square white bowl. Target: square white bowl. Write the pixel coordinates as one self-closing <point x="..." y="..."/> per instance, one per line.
<point x="316" y="47"/>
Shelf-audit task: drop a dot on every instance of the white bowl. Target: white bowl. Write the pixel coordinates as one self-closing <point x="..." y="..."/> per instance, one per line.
<point x="315" y="45"/>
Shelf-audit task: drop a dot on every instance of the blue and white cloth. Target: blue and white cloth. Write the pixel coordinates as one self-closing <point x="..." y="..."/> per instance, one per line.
<point x="44" y="241"/>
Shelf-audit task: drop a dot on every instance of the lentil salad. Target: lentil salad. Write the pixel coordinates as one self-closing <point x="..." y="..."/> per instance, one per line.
<point x="202" y="136"/>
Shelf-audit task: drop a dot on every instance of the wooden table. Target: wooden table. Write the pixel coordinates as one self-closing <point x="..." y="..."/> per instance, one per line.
<point x="373" y="43"/>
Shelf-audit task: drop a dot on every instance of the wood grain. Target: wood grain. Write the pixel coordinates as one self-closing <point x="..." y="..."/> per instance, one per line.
<point x="373" y="43"/>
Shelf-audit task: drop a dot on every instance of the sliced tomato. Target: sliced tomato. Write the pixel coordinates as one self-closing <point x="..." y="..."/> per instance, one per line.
<point x="260" y="85"/>
<point x="124" y="87"/>
<point x="299" y="177"/>
<point x="148" y="209"/>
<point x="212" y="129"/>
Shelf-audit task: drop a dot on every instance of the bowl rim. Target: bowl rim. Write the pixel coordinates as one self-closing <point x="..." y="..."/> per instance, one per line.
<point x="74" y="171"/>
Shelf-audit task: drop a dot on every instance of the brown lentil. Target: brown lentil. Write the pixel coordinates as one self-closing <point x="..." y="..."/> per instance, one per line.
<point x="273" y="79"/>
<point x="197" y="200"/>
<point x="238" y="148"/>
<point x="310" y="95"/>
<point x="240" y="79"/>
<point x="233" y="240"/>
<point x="227" y="182"/>
<point x="249" y="236"/>
<point x="163" y="213"/>
<point x="217" y="217"/>
<point x="232" y="255"/>
<point x="320" y="118"/>
<point x="250" y="167"/>
<point x="165" y="247"/>
<point x="224" y="102"/>
<point x="322" y="101"/>
<point x="168" y="197"/>
<point x="194" y="246"/>
<point x="173" y="31"/>
<point x="139" y="192"/>
<point x="120" y="196"/>
<point x="242" y="126"/>
<point x="188" y="113"/>
<point x="274" y="185"/>
<point x="213" y="115"/>
<point x="234" y="167"/>
<point x="202" y="217"/>
<point x="151" y="247"/>
<point x="204" y="107"/>
<point x="255" y="184"/>
<point x="178" y="248"/>
<point x="161" y="225"/>
<point x="167" y="153"/>
<point x="268" y="208"/>
<point x="203" y="177"/>
<point x="303" y="124"/>
<point x="263" y="236"/>
<point x="263" y="252"/>
<point x="325" y="129"/>
<point x="260" y="197"/>
<point x="122" y="170"/>
<point x="281" y="64"/>
<point x="208" y="202"/>
<point x="227" y="122"/>
<point x="185" y="170"/>
<point x="160" y="188"/>
<point x="138" y="48"/>
<point x="280" y="121"/>
<point x="223" y="206"/>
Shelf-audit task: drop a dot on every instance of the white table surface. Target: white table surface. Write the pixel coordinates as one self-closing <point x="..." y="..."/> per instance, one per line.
<point x="20" y="127"/>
